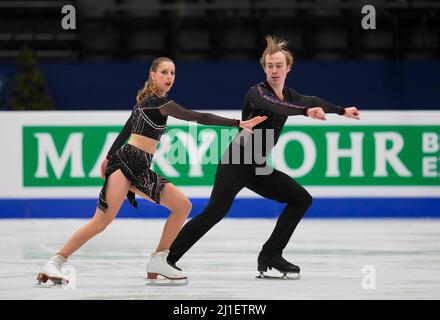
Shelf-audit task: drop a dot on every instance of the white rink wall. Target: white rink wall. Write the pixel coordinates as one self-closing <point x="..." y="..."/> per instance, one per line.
<point x="386" y="165"/>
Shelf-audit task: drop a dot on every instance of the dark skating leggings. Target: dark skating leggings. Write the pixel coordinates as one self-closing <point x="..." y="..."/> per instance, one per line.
<point x="230" y="179"/>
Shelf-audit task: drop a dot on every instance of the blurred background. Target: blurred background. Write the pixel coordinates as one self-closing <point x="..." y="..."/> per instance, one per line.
<point x="216" y="45"/>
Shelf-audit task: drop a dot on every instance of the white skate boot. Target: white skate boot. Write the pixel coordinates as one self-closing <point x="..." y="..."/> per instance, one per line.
<point x="159" y="272"/>
<point x="52" y="271"/>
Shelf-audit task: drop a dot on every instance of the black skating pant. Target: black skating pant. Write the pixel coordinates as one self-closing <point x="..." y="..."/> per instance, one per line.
<point x="230" y="179"/>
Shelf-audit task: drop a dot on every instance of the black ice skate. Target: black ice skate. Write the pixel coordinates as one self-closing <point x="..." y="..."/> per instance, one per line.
<point x="288" y="270"/>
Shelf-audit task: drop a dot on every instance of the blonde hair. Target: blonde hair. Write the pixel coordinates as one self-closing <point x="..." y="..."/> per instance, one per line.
<point x="150" y="86"/>
<point x="275" y="45"/>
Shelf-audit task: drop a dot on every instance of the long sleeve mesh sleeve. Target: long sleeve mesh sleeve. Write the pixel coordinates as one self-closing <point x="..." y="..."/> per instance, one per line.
<point x="123" y="136"/>
<point x="259" y="98"/>
<point x="312" y="101"/>
<point x="177" y="111"/>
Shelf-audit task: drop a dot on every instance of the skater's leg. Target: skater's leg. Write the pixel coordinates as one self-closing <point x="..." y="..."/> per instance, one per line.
<point x="116" y="187"/>
<point x="280" y="187"/>
<point x="116" y="190"/>
<point x="230" y="179"/>
<point x="179" y="205"/>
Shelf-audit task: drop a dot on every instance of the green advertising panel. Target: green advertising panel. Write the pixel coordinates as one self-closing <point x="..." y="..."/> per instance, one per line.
<point x="360" y="155"/>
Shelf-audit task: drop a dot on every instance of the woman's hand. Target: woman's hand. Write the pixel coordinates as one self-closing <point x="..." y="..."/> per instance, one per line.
<point x="352" y="112"/>
<point x="249" y="124"/>
<point x="103" y="166"/>
<point x="316" y="113"/>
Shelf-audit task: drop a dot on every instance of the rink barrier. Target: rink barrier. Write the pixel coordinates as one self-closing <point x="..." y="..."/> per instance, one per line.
<point x="241" y="208"/>
<point x="386" y="165"/>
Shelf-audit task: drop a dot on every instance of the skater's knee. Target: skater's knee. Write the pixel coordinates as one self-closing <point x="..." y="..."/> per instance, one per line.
<point x="185" y="207"/>
<point x="188" y="206"/>
<point x="307" y="199"/>
<point x="180" y="207"/>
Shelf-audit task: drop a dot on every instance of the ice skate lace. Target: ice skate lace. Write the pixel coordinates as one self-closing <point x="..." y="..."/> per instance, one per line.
<point x="163" y="258"/>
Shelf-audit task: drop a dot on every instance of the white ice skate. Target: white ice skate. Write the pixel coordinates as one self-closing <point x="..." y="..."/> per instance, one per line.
<point x="160" y="273"/>
<point x="52" y="271"/>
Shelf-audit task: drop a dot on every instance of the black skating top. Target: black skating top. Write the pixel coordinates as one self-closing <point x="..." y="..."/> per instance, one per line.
<point x="262" y="100"/>
<point x="149" y="119"/>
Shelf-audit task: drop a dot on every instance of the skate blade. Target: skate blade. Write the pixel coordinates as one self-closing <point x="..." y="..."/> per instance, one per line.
<point x="50" y="285"/>
<point x="286" y="276"/>
<point x="166" y="282"/>
<point x="159" y="280"/>
<point x="44" y="281"/>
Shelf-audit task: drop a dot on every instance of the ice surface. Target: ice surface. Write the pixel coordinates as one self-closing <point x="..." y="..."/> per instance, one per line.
<point x="339" y="259"/>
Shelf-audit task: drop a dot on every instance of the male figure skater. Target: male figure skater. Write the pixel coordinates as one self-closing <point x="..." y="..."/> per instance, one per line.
<point x="272" y="99"/>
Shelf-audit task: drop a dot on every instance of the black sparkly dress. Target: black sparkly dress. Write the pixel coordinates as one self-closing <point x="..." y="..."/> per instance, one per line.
<point x="149" y="119"/>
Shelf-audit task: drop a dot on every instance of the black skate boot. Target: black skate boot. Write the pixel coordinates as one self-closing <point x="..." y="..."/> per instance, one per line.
<point x="278" y="263"/>
<point x="173" y="264"/>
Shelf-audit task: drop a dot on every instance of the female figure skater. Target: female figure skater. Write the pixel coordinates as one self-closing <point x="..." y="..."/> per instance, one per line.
<point x="272" y="99"/>
<point x="128" y="172"/>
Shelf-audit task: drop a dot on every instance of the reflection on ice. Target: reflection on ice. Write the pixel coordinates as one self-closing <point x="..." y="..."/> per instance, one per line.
<point x="339" y="259"/>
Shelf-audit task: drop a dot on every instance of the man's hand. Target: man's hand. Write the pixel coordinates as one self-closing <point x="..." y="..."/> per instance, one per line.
<point x="103" y="166"/>
<point x="316" y="113"/>
<point x="352" y="112"/>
